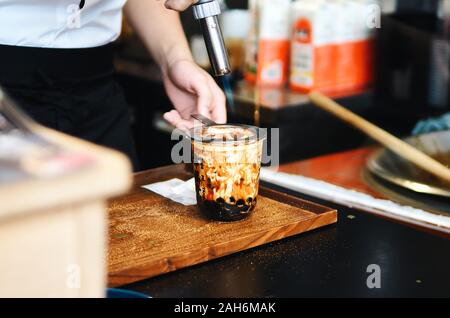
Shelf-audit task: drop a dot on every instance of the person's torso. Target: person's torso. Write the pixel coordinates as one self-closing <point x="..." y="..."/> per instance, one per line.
<point x="60" y="23"/>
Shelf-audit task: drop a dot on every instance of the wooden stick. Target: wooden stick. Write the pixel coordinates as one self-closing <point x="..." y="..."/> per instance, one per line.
<point x="393" y="143"/>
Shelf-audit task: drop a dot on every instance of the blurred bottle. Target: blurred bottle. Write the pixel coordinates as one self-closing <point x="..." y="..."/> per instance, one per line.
<point x="333" y="44"/>
<point x="313" y="50"/>
<point x="251" y="45"/>
<point x="235" y="27"/>
<point x="348" y="59"/>
<point x="267" y="49"/>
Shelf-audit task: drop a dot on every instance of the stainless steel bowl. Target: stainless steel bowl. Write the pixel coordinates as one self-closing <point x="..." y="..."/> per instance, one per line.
<point x="392" y="168"/>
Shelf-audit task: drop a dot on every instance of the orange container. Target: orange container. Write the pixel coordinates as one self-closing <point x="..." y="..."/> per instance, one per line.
<point x="332" y="47"/>
<point x="273" y="60"/>
<point x="267" y="56"/>
<point x="313" y="51"/>
<point x="345" y="38"/>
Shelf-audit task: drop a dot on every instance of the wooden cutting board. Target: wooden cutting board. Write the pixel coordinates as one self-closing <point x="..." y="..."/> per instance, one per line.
<point x="150" y="235"/>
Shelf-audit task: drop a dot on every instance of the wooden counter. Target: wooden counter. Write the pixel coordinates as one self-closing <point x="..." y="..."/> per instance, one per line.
<point x="343" y="169"/>
<point x="347" y="170"/>
<point x="53" y="231"/>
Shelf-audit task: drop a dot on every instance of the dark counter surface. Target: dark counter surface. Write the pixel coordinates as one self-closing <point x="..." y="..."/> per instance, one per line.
<point x="329" y="262"/>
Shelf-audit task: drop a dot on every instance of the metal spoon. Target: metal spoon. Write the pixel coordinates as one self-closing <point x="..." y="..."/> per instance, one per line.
<point x="204" y="120"/>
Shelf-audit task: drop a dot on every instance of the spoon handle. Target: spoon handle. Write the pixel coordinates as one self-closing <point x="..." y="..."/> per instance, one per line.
<point x="204" y="120"/>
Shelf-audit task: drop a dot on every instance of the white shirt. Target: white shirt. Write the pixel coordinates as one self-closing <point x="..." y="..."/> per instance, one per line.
<point x="60" y="23"/>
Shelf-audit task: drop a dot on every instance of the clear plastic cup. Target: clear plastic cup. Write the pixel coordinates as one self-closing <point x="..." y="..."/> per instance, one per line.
<point x="226" y="164"/>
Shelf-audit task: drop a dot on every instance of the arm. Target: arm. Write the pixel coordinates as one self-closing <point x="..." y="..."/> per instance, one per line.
<point x="179" y="5"/>
<point x="191" y="89"/>
<point x="160" y="30"/>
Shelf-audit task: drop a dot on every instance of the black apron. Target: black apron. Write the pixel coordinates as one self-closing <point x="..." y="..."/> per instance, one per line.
<point x="70" y="90"/>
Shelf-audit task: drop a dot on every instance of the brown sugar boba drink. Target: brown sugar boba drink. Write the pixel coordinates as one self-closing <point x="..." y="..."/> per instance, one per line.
<point x="226" y="164"/>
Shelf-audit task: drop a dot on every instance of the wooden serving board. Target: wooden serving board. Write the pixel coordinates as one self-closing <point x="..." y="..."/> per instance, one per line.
<point x="150" y="235"/>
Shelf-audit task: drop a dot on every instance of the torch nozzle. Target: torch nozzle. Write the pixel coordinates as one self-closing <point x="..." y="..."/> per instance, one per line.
<point x="206" y="11"/>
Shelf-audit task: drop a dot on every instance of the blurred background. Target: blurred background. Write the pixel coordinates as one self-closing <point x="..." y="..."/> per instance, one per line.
<point x="386" y="60"/>
<point x="390" y="65"/>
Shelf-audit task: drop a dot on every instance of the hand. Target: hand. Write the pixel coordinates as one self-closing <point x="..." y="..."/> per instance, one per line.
<point x="179" y="5"/>
<point x="192" y="90"/>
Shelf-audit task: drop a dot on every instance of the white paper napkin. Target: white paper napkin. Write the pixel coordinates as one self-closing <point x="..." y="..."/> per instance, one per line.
<point x="176" y="190"/>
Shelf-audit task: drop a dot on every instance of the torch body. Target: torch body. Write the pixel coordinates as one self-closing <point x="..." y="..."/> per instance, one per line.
<point x="207" y="12"/>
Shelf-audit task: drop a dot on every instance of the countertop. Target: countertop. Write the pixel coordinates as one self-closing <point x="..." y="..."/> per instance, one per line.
<point x="328" y="262"/>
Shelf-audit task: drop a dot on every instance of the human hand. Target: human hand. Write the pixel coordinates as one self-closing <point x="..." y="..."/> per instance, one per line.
<point x="179" y="5"/>
<point x="192" y="91"/>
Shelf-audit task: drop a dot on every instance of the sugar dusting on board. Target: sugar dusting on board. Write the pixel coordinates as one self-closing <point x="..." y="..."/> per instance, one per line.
<point x="150" y="235"/>
<point x="150" y="229"/>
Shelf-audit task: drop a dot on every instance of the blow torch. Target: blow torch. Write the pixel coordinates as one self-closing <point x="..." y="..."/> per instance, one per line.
<point x="206" y="12"/>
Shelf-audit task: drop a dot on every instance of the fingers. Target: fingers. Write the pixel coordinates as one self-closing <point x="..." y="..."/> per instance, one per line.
<point x="218" y="107"/>
<point x="179" y="5"/>
<point x="211" y="100"/>
<point x="174" y="118"/>
<point x="204" y="95"/>
<point x="194" y="91"/>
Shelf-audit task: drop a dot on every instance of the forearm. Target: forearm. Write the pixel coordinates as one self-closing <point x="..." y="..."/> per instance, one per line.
<point x="160" y="29"/>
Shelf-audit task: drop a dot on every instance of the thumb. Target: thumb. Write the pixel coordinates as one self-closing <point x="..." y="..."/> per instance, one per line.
<point x="179" y="5"/>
